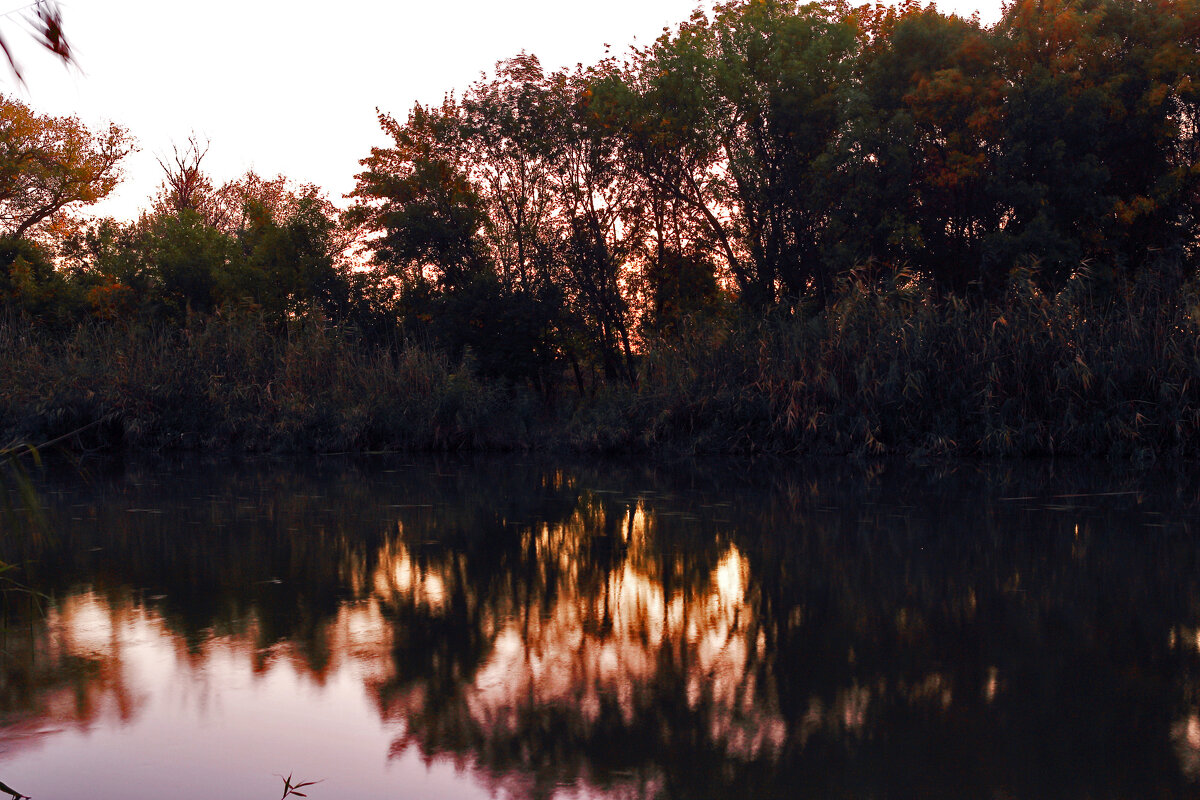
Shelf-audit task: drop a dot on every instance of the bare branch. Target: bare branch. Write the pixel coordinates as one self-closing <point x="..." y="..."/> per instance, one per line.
<point x="184" y="181"/>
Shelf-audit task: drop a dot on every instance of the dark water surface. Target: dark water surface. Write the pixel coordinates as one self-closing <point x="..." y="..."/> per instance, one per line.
<point x="518" y="627"/>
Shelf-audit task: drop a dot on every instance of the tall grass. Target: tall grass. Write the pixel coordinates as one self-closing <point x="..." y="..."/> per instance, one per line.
<point x="893" y="370"/>
<point x="887" y="369"/>
<point x="231" y="383"/>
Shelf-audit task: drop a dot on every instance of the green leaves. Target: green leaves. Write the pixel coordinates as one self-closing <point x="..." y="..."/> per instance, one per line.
<point x="416" y="201"/>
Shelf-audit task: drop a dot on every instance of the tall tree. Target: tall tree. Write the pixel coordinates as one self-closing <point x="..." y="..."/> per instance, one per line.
<point x="661" y="107"/>
<point x="600" y="215"/>
<point x="505" y="131"/>
<point x="781" y="74"/>
<point x="736" y="113"/>
<point x="1094" y="165"/>
<point x="186" y="186"/>
<point x="952" y="94"/>
<point x="416" y="202"/>
<point x="288" y="259"/>
<point x="50" y="163"/>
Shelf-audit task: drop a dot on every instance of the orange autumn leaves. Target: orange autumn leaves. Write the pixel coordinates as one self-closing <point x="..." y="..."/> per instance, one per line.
<point x="49" y="163"/>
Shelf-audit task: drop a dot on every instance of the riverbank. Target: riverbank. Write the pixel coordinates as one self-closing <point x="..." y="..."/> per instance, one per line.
<point x="891" y="371"/>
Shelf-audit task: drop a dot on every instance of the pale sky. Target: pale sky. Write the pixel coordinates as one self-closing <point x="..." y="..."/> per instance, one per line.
<point x="292" y="88"/>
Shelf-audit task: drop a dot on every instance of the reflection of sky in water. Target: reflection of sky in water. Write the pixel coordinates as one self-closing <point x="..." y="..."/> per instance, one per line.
<point x="451" y="652"/>
<point x="150" y="715"/>
<point x="167" y="723"/>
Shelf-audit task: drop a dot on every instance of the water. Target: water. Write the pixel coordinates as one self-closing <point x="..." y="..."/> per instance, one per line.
<point x="519" y="627"/>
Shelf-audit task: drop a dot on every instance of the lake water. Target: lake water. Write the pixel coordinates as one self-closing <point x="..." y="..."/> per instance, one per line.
<point x="522" y="627"/>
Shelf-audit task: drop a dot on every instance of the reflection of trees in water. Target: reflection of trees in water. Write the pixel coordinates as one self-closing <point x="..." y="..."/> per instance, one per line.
<point x="975" y="645"/>
<point x="1016" y="644"/>
<point x="63" y="667"/>
<point x="573" y="650"/>
<point x="689" y="633"/>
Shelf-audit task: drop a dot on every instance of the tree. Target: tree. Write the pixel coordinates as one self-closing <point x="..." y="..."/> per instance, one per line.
<point x="735" y="115"/>
<point x="504" y="129"/>
<point x="190" y="259"/>
<point x="657" y="171"/>
<point x="561" y="211"/>
<point x="287" y="260"/>
<point x="418" y="203"/>
<point x="599" y="207"/>
<point x="1099" y="110"/>
<point x="185" y="185"/>
<point x="109" y="263"/>
<point x="29" y="282"/>
<point x="237" y="203"/>
<point x="660" y="106"/>
<point x="50" y="163"/>
<point x="952" y="98"/>
<point x="447" y="212"/>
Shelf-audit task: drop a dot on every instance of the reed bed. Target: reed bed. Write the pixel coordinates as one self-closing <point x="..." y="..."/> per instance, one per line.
<point x="893" y="370"/>
<point x="887" y="370"/>
<point x="233" y="383"/>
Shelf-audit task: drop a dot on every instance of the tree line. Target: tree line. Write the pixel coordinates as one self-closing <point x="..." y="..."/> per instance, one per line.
<point x="756" y="160"/>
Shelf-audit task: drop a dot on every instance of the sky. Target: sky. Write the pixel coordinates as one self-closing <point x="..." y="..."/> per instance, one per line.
<point x="293" y="88"/>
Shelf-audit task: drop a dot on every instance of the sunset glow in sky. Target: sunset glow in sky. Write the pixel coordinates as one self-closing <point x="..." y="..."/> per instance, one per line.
<point x="292" y="88"/>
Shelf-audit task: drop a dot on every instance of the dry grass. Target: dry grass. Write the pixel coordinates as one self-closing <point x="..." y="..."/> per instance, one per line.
<point x="227" y="382"/>
<point x="885" y="370"/>
<point x="893" y="371"/>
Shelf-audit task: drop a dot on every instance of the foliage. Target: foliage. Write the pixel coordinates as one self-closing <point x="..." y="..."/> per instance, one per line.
<point x="772" y="149"/>
<point x="416" y="197"/>
<point x="49" y="163"/>
<point x="888" y="371"/>
<point x="793" y="227"/>
<point x="278" y="255"/>
<point x="884" y="371"/>
<point x="28" y="281"/>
